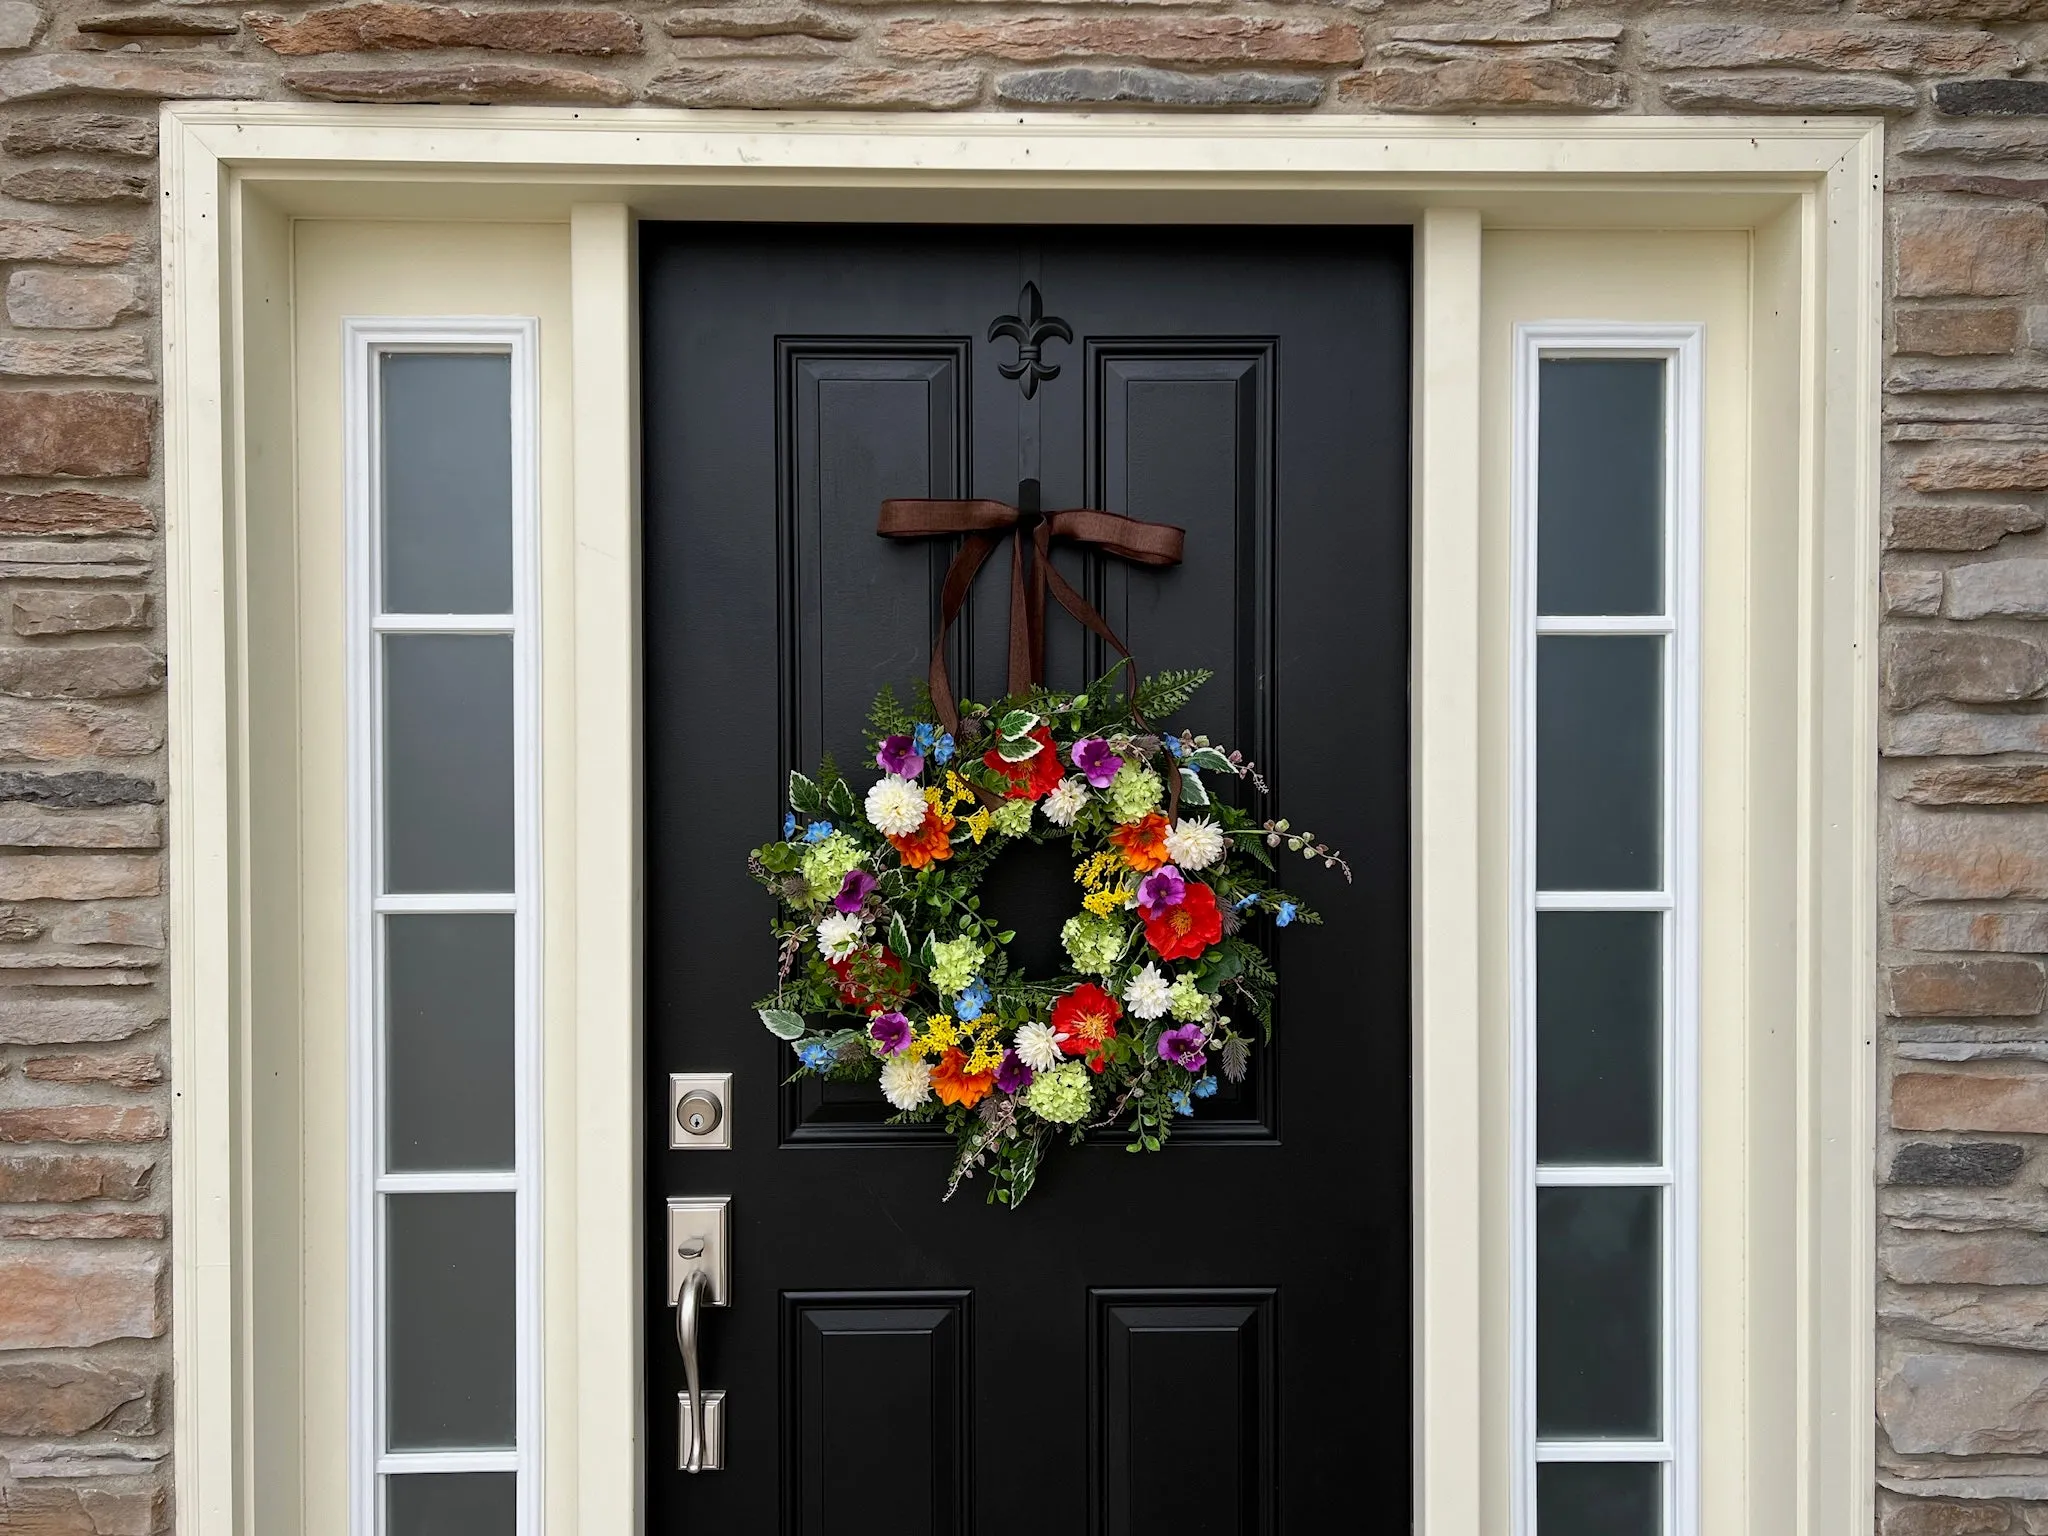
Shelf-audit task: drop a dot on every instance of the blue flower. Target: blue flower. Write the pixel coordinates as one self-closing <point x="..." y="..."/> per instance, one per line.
<point x="1180" y="1102"/>
<point x="973" y="998"/>
<point x="788" y="826"/>
<point x="816" y="1055"/>
<point x="817" y="831"/>
<point x="1173" y="745"/>
<point x="932" y="742"/>
<point x="1205" y="1086"/>
<point x="1244" y="901"/>
<point x="1285" y="914"/>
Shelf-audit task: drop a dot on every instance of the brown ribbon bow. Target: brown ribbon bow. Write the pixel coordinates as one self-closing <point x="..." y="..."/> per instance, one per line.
<point x="984" y="523"/>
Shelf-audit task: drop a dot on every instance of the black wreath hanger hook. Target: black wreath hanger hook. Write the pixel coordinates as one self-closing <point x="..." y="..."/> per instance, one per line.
<point x="1032" y="329"/>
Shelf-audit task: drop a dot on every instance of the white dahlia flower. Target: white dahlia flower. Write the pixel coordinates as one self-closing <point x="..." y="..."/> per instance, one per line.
<point x="1038" y="1047"/>
<point x="1195" y="844"/>
<point x="1064" y="801"/>
<point x="896" y="806"/>
<point x="838" y="935"/>
<point x="906" y="1081"/>
<point x="1149" y="992"/>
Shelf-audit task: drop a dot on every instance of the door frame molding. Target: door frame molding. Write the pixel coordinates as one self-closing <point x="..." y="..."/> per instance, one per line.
<point x="235" y="175"/>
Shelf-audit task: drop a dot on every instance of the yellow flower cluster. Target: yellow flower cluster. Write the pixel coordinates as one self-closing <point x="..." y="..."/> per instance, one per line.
<point x="1102" y="874"/>
<point x="942" y="1033"/>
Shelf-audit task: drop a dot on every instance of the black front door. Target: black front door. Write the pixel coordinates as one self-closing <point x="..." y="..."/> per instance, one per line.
<point x="1213" y="1339"/>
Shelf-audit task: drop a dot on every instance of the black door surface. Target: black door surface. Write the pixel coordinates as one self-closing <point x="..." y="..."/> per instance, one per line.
<point x="1213" y="1339"/>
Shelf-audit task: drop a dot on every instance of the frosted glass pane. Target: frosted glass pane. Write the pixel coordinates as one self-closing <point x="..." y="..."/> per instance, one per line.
<point x="1598" y="1357"/>
<point x="451" y="1504"/>
<point x="1599" y="1032"/>
<point x="1599" y="762"/>
<point x="447" y="439"/>
<point x="450" y="1281"/>
<point x="1600" y="485"/>
<point x="448" y="762"/>
<point x="448" y="1052"/>
<point x="1599" y="1498"/>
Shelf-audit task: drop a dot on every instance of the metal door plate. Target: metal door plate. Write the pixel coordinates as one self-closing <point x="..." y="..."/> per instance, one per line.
<point x="714" y="1431"/>
<point x="700" y="1237"/>
<point x="719" y="1086"/>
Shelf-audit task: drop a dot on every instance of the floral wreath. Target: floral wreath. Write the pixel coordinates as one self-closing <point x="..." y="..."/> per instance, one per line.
<point x="890" y="968"/>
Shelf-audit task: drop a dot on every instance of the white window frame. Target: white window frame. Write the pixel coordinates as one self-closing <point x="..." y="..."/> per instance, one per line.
<point x="1681" y="347"/>
<point x="365" y="341"/>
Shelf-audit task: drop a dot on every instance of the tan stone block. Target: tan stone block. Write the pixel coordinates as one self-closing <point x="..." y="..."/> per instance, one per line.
<point x="40" y="826"/>
<point x="1445" y="42"/>
<point x="78" y="876"/>
<point x="48" y="733"/>
<point x="44" y="75"/>
<point x="1949" y="331"/>
<point x="127" y="1511"/>
<point x="77" y="184"/>
<point x="1965" y="989"/>
<point x="157" y="24"/>
<point x="1964" y="1405"/>
<point x="775" y="18"/>
<point x="80" y="672"/>
<point x="47" y="1399"/>
<point x="1788" y="91"/>
<point x="81" y="1124"/>
<point x="83" y="1226"/>
<point x="1940" y="1517"/>
<point x="76" y="559"/>
<point x="40" y="240"/>
<point x="815" y="85"/>
<point x="1506" y="84"/>
<point x="2009" y="930"/>
<point x="103" y="922"/>
<point x="1998" y="589"/>
<point x="1958" y="1101"/>
<point x="1979" y="784"/>
<point x="1963" y="10"/>
<point x="1922" y="665"/>
<point x="66" y="512"/>
<point x="42" y="611"/>
<point x="54" y="1300"/>
<point x="1163" y="39"/>
<point x="77" y="357"/>
<point x="1889" y="50"/>
<point x="1943" y="526"/>
<point x="1980" y="467"/>
<point x="1912" y="594"/>
<point x="124" y="1069"/>
<point x="1942" y="250"/>
<point x="386" y="25"/>
<point x="461" y="85"/>
<point x="75" y="1021"/>
<point x="18" y="925"/>
<point x="82" y="432"/>
<point x="70" y="1176"/>
<point x="100" y="132"/>
<point x="74" y="301"/>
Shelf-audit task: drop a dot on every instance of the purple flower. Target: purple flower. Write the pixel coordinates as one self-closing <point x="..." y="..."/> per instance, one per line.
<point x="1182" y="1046"/>
<point x="1092" y="756"/>
<point x="1012" y="1076"/>
<point x="853" y="890"/>
<point x="899" y="755"/>
<point x="1161" y="890"/>
<point x="891" y="1031"/>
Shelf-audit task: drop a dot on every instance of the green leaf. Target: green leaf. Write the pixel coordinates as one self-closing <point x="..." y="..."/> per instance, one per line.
<point x="782" y="1024"/>
<point x="840" y="800"/>
<point x="1018" y="722"/>
<point x="899" y="937"/>
<point x="1019" y="751"/>
<point x="1192" y="790"/>
<point x="805" y="798"/>
<point x="1211" y="759"/>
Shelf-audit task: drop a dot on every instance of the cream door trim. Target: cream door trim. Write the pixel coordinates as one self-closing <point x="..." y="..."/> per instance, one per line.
<point x="235" y="175"/>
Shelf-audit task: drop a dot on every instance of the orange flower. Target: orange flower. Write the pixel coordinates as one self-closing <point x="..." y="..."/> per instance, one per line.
<point x="1143" y="842"/>
<point x="955" y="1085"/>
<point x="931" y="841"/>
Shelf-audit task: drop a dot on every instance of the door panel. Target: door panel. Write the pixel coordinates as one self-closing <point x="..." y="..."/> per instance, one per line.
<point x="1197" y="1341"/>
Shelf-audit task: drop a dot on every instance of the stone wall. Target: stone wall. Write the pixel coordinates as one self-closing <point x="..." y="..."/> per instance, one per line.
<point x="1962" y="1416"/>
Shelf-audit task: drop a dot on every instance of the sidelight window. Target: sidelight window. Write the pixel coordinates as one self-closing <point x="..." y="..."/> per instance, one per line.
<point x="1606" y="487"/>
<point x="444" y="928"/>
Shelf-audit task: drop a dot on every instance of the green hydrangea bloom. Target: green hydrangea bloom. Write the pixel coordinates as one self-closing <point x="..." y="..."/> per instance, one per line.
<point x="1188" y="1002"/>
<point x="955" y="963"/>
<point x="1012" y="818"/>
<point x="1135" y="792"/>
<point x="1093" y="943"/>
<point x="1060" y="1095"/>
<point x="826" y="863"/>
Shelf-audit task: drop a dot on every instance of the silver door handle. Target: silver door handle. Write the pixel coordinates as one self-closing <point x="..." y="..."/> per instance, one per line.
<point x="688" y="1305"/>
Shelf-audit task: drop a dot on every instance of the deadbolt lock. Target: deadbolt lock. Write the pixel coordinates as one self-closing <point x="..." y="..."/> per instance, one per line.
<point x="700" y="1111"/>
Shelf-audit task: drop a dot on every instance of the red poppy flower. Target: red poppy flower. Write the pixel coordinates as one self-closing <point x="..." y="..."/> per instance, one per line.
<point x="869" y="979"/>
<point x="1183" y="932"/>
<point x="953" y="1085"/>
<point x="1036" y="776"/>
<point x="1083" y="1019"/>
<point x="1143" y="842"/>
<point x="933" y="840"/>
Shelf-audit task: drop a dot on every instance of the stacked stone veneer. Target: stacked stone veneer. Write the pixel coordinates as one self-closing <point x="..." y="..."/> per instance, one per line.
<point x="1962" y="1414"/>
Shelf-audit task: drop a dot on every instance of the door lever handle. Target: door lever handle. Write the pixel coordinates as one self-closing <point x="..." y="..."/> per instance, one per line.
<point x="688" y="1312"/>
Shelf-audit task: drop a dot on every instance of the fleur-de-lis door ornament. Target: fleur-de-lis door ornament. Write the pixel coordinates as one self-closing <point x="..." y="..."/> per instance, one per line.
<point x="1031" y="328"/>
